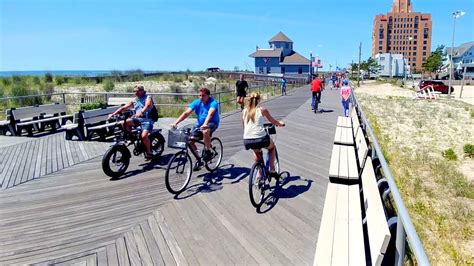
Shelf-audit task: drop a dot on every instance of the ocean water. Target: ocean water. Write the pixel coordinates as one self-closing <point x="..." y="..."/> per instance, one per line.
<point x="88" y="73"/>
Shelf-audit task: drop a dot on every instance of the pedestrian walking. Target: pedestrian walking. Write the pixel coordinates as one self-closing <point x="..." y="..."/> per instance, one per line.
<point x="283" y="85"/>
<point x="241" y="87"/>
<point x="346" y="92"/>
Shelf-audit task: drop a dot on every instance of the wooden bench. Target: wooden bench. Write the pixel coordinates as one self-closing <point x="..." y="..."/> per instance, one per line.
<point x="346" y="135"/>
<point x="342" y="234"/>
<point x="347" y="161"/>
<point x="5" y="125"/>
<point x="92" y="123"/>
<point x="343" y="121"/>
<point x="37" y="118"/>
<point x="376" y="220"/>
<point x="354" y="228"/>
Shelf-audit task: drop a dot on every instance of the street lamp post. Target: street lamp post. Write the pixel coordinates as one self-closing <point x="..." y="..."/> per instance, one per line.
<point x="457" y="14"/>
<point x="310" y="64"/>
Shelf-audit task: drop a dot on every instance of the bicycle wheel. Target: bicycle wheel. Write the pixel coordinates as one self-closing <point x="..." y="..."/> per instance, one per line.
<point x="217" y="151"/>
<point x="256" y="184"/>
<point x="178" y="173"/>
<point x="157" y="142"/>
<point x="115" y="161"/>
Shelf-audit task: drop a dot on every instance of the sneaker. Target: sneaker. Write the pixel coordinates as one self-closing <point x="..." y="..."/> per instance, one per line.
<point x="197" y="166"/>
<point x="274" y="175"/>
<point x="206" y="155"/>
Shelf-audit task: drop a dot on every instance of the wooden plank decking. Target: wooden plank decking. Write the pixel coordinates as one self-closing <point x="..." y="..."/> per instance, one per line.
<point x="76" y="214"/>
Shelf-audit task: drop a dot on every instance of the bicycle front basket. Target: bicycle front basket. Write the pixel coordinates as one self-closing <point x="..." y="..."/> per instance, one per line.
<point x="177" y="138"/>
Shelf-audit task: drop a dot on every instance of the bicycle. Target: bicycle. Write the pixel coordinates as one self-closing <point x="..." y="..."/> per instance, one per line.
<point x="180" y="167"/>
<point x="259" y="180"/>
<point x="117" y="158"/>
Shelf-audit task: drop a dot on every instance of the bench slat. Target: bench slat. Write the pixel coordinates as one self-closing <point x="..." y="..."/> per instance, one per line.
<point x="377" y="227"/>
<point x="103" y="126"/>
<point x="340" y="254"/>
<point x="361" y="147"/>
<point x="343" y="162"/>
<point x="334" y="165"/>
<point x="118" y="100"/>
<point x="356" y="233"/>
<point x="343" y="136"/>
<point x="324" y="246"/>
<point x="344" y="121"/>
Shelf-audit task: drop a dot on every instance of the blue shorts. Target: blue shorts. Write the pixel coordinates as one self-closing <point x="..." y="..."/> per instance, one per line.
<point x="198" y="133"/>
<point x="145" y="123"/>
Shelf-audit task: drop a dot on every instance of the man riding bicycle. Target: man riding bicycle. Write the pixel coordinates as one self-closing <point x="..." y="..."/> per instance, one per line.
<point x="207" y="112"/>
<point x="142" y="104"/>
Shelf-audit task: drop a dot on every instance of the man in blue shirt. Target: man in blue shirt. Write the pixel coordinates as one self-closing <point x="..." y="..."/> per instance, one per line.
<point x="207" y="112"/>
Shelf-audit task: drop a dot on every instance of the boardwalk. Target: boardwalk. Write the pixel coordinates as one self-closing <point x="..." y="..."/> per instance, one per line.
<point x="78" y="215"/>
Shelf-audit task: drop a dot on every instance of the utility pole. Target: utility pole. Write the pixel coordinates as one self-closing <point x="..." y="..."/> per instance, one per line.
<point x="358" y="67"/>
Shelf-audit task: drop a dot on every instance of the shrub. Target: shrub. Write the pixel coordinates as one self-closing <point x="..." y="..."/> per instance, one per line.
<point x="472" y="113"/>
<point x="108" y="85"/>
<point x="48" y="77"/>
<point x="469" y="150"/>
<point x="36" y="80"/>
<point x="59" y="80"/>
<point x="450" y="155"/>
<point x="90" y="106"/>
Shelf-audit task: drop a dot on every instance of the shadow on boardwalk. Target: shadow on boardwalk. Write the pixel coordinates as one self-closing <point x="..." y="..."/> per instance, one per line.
<point x="284" y="188"/>
<point x="214" y="181"/>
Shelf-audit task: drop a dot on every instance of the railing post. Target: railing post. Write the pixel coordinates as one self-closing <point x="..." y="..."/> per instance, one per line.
<point x="400" y="243"/>
<point x="64" y="97"/>
<point x="219" y="101"/>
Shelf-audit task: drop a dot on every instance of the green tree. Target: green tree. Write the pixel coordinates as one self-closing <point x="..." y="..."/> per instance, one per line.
<point x="370" y="66"/>
<point x="434" y="63"/>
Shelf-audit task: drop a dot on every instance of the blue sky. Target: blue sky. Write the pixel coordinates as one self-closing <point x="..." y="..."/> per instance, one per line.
<point x="192" y="34"/>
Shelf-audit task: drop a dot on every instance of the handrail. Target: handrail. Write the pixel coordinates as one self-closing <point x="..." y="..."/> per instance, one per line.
<point x="402" y="212"/>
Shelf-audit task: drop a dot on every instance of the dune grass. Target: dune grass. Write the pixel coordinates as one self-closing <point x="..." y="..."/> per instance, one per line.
<point x="420" y="140"/>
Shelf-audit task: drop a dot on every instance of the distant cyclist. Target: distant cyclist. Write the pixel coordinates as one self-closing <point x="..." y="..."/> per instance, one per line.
<point x="207" y="112"/>
<point x="255" y="136"/>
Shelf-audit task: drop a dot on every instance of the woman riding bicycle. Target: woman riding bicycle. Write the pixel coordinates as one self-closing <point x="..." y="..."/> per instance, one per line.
<point x="255" y="136"/>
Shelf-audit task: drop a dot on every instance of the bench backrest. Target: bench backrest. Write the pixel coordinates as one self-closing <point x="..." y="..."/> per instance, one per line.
<point x="32" y="112"/>
<point x="24" y="113"/>
<point x="92" y="117"/>
<point x="361" y="147"/>
<point x="52" y="109"/>
<point x="118" y="100"/>
<point x="377" y="226"/>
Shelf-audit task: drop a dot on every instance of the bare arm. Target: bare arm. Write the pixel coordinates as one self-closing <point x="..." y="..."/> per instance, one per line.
<point x="270" y="118"/>
<point x="121" y="109"/>
<point x="210" y="114"/>
<point x="183" y="116"/>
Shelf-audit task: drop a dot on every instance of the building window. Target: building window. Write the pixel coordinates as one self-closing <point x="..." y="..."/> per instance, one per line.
<point x="260" y="70"/>
<point x="414" y="42"/>
<point x="287" y="45"/>
<point x="300" y="70"/>
<point x="424" y="42"/>
<point x="414" y="53"/>
<point x="380" y="47"/>
<point x="269" y="70"/>
<point x="380" y="42"/>
<point x="425" y="33"/>
<point x="283" y="70"/>
<point x="382" y="68"/>
<point x="424" y="53"/>
<point x="424" y="48"/>
<point x="380" y="33"/>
